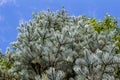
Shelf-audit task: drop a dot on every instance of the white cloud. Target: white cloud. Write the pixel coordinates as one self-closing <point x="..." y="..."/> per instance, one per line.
<point x="3" y="2"/>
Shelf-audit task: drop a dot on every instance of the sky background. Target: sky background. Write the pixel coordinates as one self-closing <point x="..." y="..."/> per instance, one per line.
<point x="14" y="11"/>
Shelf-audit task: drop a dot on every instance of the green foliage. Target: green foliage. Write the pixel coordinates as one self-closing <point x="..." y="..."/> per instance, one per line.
<point x="56" y="46"/>
<point x="117" y="38"/>
<point x="109" y="23"/>
<point x="5" y="65"/>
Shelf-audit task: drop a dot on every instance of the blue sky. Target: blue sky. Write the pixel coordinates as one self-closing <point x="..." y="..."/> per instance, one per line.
<point x="14" y="11"/>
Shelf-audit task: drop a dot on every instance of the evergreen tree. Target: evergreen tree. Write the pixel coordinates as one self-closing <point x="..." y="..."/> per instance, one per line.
<point x="56" y="46"/>
<point x="109" y="23"/>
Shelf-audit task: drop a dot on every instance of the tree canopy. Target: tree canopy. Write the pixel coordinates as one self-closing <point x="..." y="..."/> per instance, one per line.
<point x="56" y="46"/>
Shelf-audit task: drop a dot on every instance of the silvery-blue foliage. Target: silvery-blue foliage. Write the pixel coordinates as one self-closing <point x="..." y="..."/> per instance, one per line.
<point x="64" y="48"/>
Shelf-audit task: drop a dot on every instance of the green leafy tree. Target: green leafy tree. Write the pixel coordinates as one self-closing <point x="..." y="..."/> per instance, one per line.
<point x="109" y="23"/>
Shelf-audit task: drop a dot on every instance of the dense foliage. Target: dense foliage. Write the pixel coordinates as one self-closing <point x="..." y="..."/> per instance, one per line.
<point x="6" y="62"/>
<point x="56" y="46"/>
